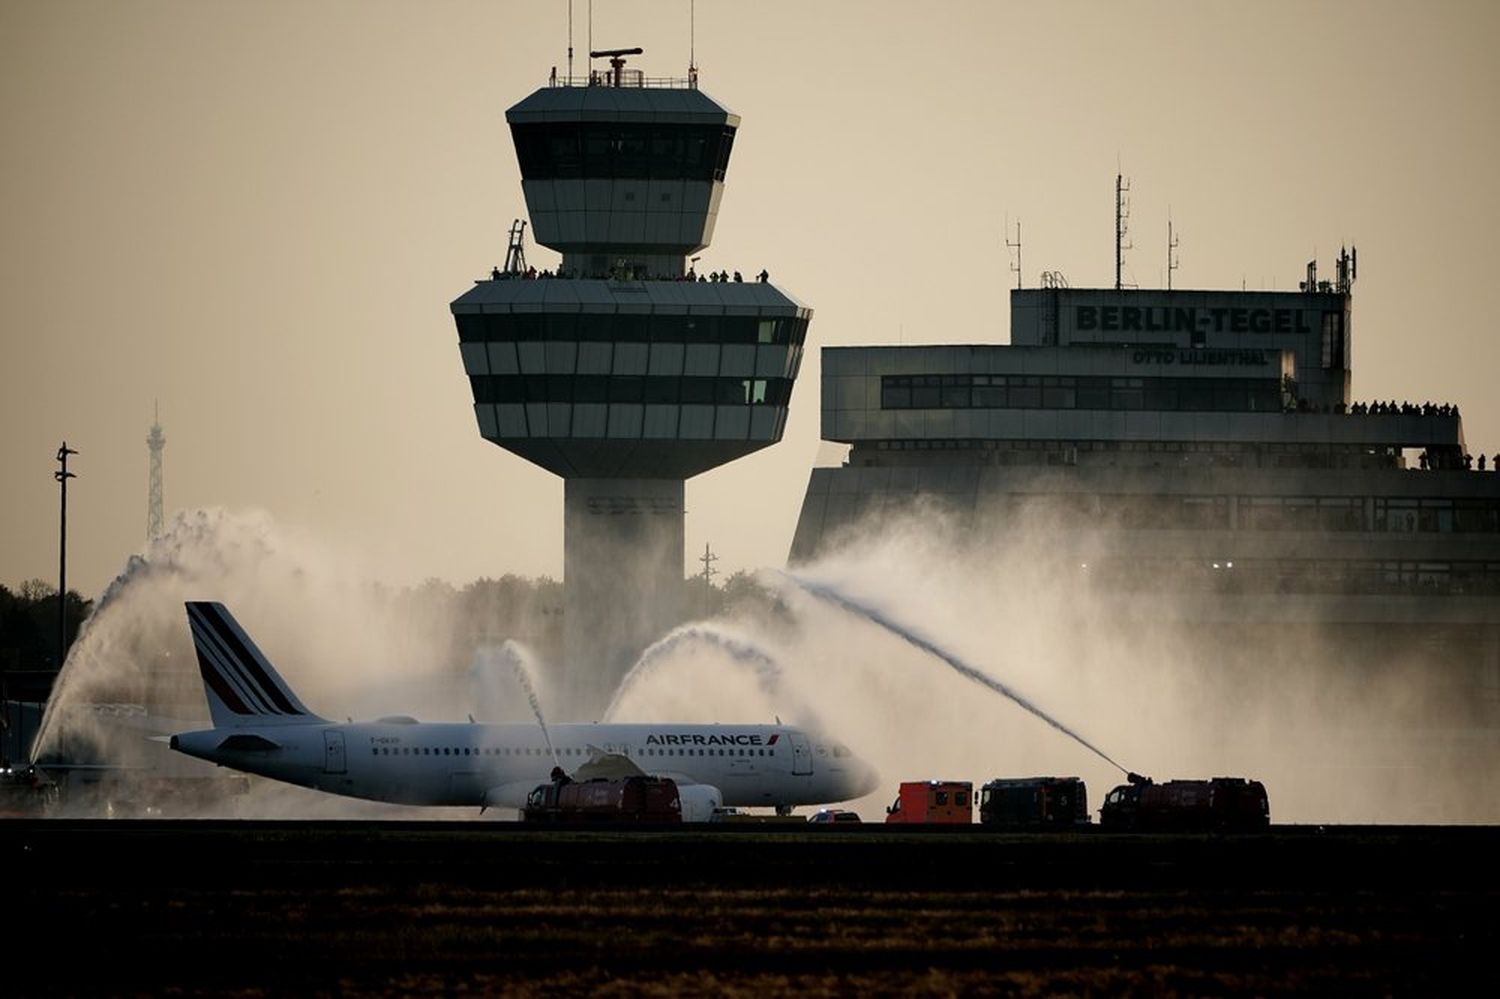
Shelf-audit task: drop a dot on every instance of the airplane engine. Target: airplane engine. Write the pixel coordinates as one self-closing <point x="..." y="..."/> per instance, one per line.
<point x="699" y="801"/>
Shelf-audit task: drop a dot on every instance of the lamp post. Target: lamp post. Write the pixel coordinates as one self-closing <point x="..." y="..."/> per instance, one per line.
<point x="62" y="475"/>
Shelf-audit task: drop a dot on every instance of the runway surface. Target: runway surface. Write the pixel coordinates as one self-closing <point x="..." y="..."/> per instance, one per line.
<point x="396" y="908"/>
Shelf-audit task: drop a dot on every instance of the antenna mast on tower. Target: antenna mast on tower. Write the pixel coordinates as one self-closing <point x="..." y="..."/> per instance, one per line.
<point x="1172" y="241"/>
<point x="1015" y="267"/>
<point x="515" y="252"/>
<point x="1122" y="225"/>
<point x="155" y="440"/>
<point x="708" y="558"/>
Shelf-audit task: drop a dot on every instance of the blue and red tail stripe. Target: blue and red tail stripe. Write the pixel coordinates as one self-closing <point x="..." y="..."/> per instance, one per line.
<point x="234" y="669"/>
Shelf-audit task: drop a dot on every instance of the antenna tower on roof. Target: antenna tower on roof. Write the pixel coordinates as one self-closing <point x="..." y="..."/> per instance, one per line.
<point x="1122" y="225"/>
<point x="1015" y="267"/>
<point x="1172" y="241"/>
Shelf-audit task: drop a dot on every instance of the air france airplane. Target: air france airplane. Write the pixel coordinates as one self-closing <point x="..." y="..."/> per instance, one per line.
<point x="261" y="727"/>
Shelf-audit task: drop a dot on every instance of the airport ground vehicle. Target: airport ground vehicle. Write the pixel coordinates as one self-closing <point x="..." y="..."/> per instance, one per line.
<point x="629" y="799"/>
<point x="25" y="792"/>
<point x="1034" y="803"/>
<point x="834" y="815"/>
<point x="1222" y="804"/>
<point x="921" y="801"/>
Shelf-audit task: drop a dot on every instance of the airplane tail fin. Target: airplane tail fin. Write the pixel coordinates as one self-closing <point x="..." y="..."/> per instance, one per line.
<point x="241" y="685"/>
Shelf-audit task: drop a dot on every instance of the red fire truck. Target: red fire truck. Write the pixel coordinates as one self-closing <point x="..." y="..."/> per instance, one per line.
<point x="1223" y="804"/>
<point x="921" y="801"/>
<point x="630" y="799"/>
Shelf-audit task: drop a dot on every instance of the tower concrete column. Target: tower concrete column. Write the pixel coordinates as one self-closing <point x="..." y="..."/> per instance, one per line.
<point x="622" y="579"/>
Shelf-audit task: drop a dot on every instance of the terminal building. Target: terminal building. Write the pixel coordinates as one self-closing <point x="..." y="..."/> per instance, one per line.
<point x="625" y="371"/>
<point x="1194" y="455"/>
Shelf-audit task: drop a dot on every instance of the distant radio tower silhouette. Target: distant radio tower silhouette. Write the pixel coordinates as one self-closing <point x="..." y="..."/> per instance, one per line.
<point x="155" y="440"/>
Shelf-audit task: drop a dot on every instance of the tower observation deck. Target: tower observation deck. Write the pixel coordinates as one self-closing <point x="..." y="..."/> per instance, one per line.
<point x="625" y="373"/>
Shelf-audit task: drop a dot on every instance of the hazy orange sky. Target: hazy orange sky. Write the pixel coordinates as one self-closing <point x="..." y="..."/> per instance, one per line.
<point x="257" y="213"/>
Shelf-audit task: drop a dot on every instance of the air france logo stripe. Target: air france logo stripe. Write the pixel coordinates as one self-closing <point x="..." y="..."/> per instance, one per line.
<point x="236" y="668"/>
<point x="216" y="682"/>
<point x="212" y="647"/>
<point x="210" y="650"/>
<point x="249" y="657"/>
<point x="231" y="653"/>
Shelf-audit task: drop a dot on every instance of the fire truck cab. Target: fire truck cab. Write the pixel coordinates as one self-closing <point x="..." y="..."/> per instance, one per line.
<point x="922" y="801"/>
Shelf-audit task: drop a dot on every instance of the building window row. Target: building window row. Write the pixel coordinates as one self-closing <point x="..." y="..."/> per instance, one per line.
<point x="628" y="327"/>
<point x="1297" y="576"/>
<point x="623" y="150"/>
<point x="619" y="388"/>
<point x="1264" y="513"/>
<point x="1436" y="515"/>
<point x="1260" y="395"/>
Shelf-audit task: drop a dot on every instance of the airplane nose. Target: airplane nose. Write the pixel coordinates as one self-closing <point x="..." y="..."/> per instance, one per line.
<point x="863" y="779"/>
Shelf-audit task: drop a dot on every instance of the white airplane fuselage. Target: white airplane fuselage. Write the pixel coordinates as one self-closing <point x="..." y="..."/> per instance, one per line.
<point x="474" y="764"/>
<point x="262" y="727"/>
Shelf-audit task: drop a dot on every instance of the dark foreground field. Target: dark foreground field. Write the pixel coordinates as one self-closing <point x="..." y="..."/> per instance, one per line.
<point x="250" y="908"/>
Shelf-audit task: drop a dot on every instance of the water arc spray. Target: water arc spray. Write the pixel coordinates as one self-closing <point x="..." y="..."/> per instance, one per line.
<point x="742" y="651"/>
<point x="521" y="660"/>
<point x="829" y="595"/>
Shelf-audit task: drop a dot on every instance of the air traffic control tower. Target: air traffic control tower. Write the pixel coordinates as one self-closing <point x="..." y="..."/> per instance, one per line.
<point x="625" y="373"/>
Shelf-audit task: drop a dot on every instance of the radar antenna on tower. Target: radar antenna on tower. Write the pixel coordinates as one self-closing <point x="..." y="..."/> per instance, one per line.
<point x="616" y="62"/>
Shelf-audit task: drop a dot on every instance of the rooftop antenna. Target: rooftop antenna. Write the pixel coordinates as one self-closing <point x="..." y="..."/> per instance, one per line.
<point x="1172" y="240"/>
<point x="1122" y="224"/>
<point x="515" y="253"/>
<point x="1016" y="267"/>
<point x="692" y="43"/>
<point x="591" y="42"/>
<point x="616" y="61"/>
<point x="570" y="42"/>
<point x="1345" y="270"/>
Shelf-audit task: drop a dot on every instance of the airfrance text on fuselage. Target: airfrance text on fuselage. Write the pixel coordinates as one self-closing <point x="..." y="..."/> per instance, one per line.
<point x="709" y="740"/>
